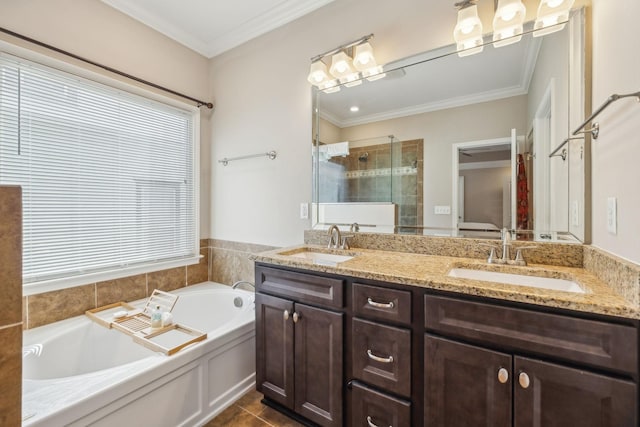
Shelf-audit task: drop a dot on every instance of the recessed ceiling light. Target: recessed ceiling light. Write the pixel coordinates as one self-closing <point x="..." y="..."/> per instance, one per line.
<point x="354" y="109"/>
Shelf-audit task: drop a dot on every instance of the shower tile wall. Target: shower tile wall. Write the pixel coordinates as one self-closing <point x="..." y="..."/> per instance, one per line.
<point x="11" y="313"/>
<point x="379" y="173"/>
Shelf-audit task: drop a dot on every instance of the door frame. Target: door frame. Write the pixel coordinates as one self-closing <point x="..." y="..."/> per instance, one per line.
<point x="455" y="169"/>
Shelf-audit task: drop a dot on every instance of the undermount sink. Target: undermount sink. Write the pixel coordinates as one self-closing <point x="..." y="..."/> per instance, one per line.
<point x="322" y="258"/>
<point x="517" y="279"/>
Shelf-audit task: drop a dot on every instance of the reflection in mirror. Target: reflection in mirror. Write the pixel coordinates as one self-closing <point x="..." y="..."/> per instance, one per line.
<point x="457" y="146"/>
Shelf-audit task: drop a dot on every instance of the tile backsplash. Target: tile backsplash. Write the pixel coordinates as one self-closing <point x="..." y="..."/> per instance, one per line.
<point x="49" y="307"/>
<point x="222" y="261"/>
<point x="10" y="316"/>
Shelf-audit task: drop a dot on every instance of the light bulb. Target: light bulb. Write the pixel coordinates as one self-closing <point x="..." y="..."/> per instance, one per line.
<point x="554" y="3"/>
<point x="508" y="14"/>
<point x="467" y="26"/>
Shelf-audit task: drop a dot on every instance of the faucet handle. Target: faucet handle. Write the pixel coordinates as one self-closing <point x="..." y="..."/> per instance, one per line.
<point x="345" y="241"/>
<point x="519" y="259"/>
<point x="492" y="254"/>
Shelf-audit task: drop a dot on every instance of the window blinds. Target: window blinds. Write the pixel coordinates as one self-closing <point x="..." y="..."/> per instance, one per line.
<point x="107" y="176"/>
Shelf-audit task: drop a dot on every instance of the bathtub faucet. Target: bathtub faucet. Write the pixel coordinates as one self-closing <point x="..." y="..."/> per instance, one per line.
<point x="243" y="282"/>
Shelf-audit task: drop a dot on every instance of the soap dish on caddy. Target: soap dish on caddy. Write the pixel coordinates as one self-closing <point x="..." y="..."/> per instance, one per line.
<point x="137" y="323"/>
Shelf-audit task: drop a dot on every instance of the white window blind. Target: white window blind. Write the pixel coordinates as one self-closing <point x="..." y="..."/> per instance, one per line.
<point x="107" y="176"/>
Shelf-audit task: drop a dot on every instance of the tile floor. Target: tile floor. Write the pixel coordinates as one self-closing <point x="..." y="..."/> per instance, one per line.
<point x="249" y="412"/>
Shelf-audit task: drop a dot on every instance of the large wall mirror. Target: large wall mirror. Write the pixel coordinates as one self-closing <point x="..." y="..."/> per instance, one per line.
<point x="460" y="146"/>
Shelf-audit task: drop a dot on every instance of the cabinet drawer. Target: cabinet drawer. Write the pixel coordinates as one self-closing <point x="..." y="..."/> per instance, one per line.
<point x="372" y="408"/>
<point x="591" y="342"/>
<point x="300" y="287"/>
<point x="378" y="303"/>
<point x="381" y="356"/>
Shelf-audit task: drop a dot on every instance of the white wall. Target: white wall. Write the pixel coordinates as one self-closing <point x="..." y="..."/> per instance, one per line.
<point x="616" y="153"/>
<point x="93" y="30"/>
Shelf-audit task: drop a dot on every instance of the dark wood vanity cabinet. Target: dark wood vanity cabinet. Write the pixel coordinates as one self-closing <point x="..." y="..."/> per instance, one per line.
<point x="469" y="384"/>
<point x="299" y="346"/>
<point x="345" y="351"/>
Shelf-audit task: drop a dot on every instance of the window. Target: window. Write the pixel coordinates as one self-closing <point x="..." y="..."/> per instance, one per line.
<point x="108" y="177"/>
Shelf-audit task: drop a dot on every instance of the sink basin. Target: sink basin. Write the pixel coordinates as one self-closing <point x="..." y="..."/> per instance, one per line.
<point x="517" y="279"/>
<point x="322" y="258"/>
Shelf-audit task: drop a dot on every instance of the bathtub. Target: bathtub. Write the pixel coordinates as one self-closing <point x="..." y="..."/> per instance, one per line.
<point x="79" y="373"/>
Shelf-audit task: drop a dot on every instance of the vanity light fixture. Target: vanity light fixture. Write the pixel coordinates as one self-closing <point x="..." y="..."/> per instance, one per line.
<point x="318" y="75"/>
<point x="552" y="16"/>
<point x="365" y="62"/>
<point x="468" y="31"/>
<point x="508" y="22"/>
<point x="344" y="69"/>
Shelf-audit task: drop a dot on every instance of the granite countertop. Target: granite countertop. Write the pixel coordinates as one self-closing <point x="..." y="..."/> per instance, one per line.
<point x="429" y="271"/>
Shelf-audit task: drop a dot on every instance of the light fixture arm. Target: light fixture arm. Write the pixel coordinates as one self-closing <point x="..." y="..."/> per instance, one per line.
<point x="466" y="3"/>
<point x="343" y="47"/>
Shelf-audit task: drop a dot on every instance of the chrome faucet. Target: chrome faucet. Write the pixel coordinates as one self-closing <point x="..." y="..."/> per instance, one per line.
<point x="506" y="244"/>
<point x="334" y="237"/>
<point x="506" y="251"/>
<point x="243" y="282"/>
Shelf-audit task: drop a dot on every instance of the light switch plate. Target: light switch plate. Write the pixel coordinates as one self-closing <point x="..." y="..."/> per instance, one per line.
<point x="612" y="215"/>
<point x="304" y="210"/>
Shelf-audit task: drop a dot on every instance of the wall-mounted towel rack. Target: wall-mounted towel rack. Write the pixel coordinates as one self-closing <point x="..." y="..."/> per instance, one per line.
<point x="595" y="128"/>
<point x="270" y="154"/>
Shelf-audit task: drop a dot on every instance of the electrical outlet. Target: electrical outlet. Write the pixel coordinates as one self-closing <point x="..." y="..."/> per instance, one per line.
<point x="575" y="210"/>
<point x="304" y="210"/>
<point x="612" y="215"/>
<point x="442" y="210"/>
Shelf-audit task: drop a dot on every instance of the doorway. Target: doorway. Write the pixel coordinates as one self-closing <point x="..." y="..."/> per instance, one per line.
<point x="486" y="200"/>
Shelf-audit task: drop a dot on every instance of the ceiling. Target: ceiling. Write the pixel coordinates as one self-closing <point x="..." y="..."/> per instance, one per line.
<point x="445" y="82"/>
<point x="211" y="27"/>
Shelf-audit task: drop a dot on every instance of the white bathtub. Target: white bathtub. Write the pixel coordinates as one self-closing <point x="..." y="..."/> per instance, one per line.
<point x="78" y="373"/>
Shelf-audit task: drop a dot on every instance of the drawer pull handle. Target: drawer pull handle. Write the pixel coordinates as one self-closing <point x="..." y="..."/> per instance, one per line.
<point x="371" y="423"/>
<point x="296" y="317"/>
<point x="378" y="358"/>
<point x="380" y="304"/>
<point x="503" y="375"/>
<point x="285" y="315"/>
<point x="523" y="379"/>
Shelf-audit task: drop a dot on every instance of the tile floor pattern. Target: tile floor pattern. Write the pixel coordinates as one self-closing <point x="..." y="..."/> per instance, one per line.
<point x="248" y="411"/>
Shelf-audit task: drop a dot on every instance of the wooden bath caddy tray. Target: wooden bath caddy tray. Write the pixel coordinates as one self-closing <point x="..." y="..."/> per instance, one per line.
<point x="169" y="340"/>
<point x="137" y="323"/>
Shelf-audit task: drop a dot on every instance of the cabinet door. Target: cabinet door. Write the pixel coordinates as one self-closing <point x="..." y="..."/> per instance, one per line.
<point x="465" y="385"/>
<point x="318" y="365"/>
<point x="274" y="349"/>
<point x="558" y="396"/>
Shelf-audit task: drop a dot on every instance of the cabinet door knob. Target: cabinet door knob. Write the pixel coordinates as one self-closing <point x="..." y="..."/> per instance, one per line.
<point x="286" y="315"/>
<point x="378" y="358"/>
<point x="296" y="317"/>
<point x="371" y="423"/>
<point x="503" y="375"/>
<point x="380" y="304"/>
<point x="523" y="379"/>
